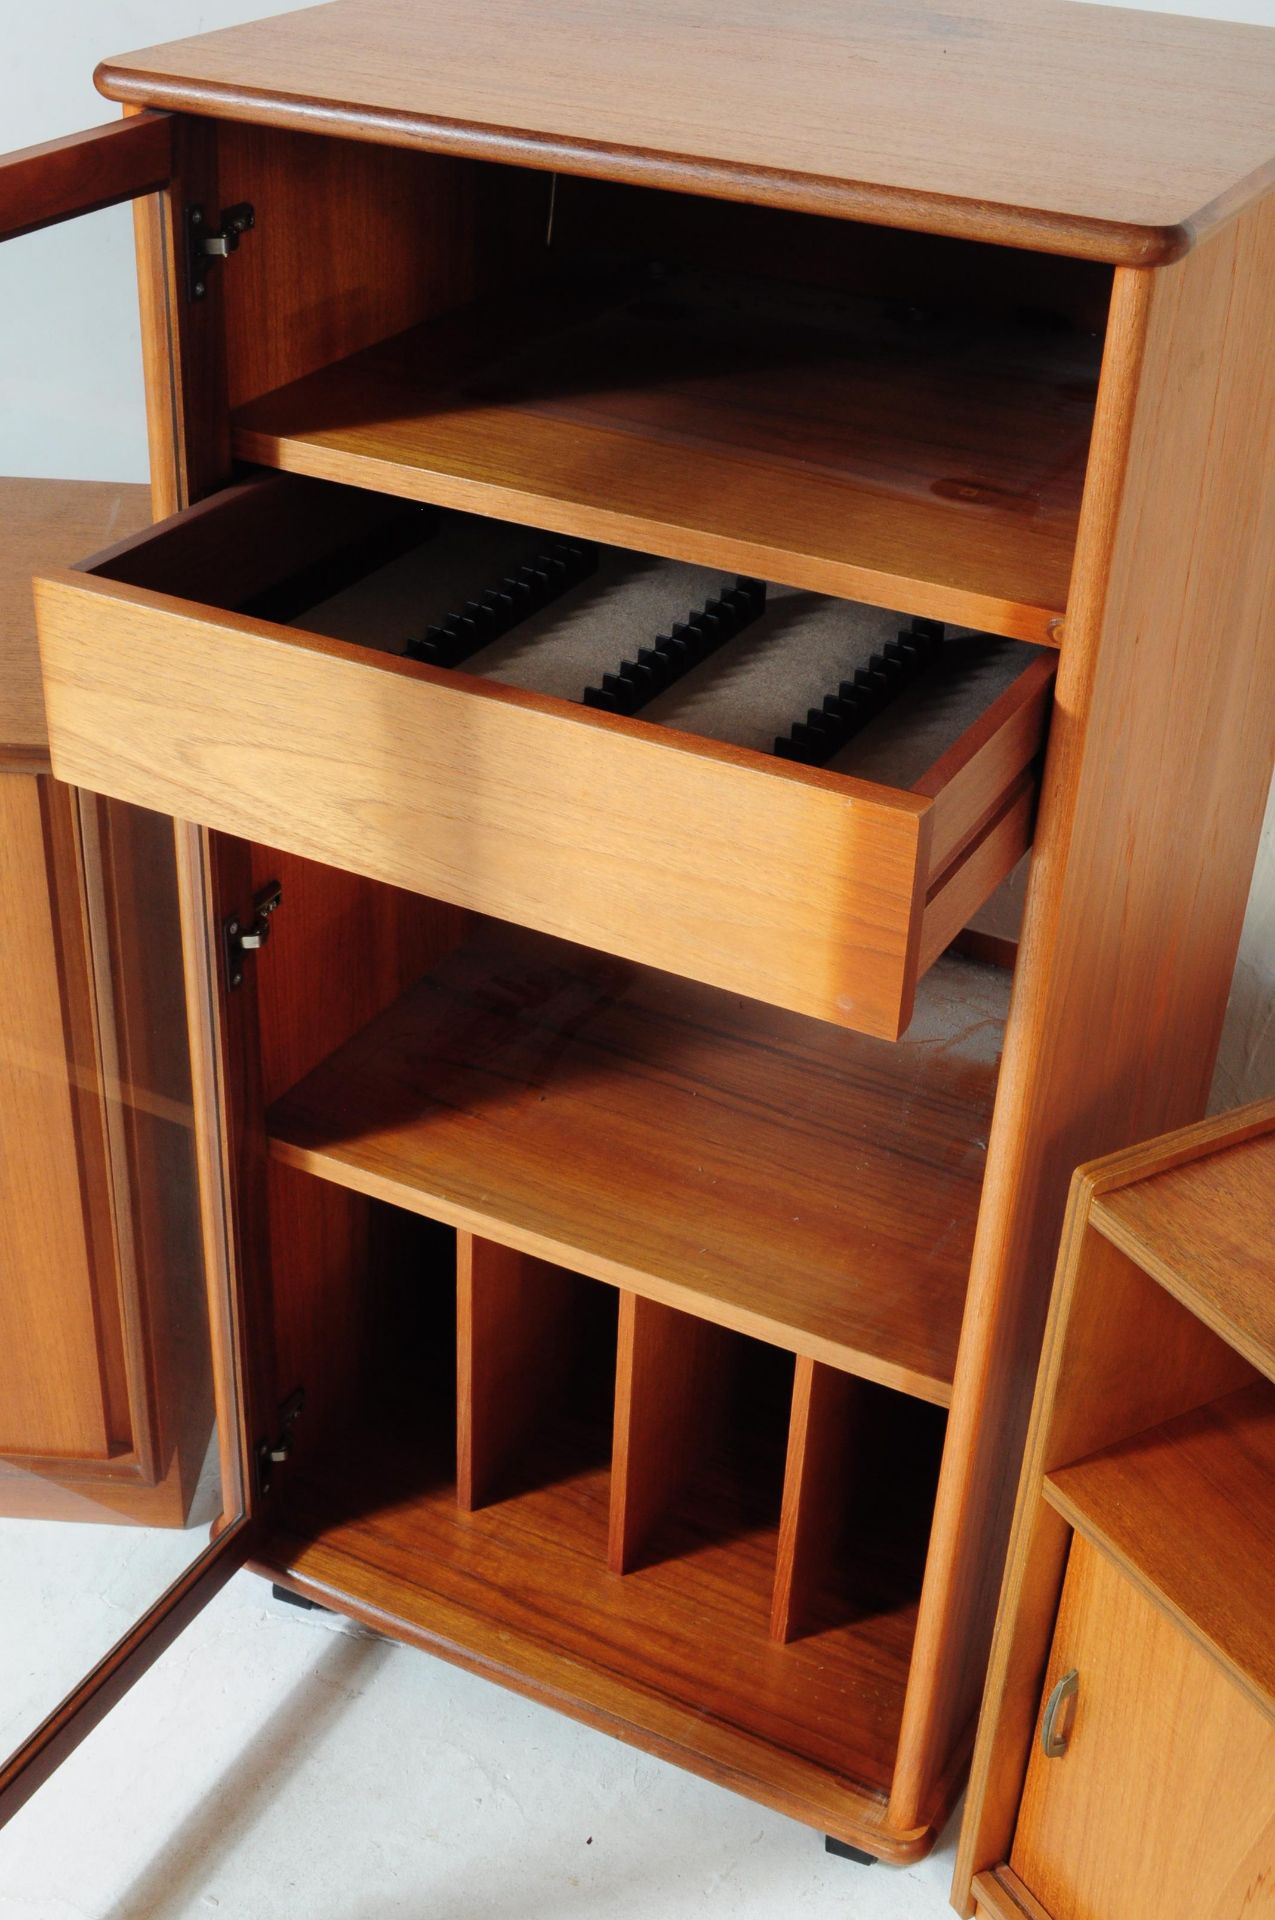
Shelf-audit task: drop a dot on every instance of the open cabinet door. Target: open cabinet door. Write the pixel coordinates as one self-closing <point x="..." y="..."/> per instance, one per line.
<point x="124" y="1472"/>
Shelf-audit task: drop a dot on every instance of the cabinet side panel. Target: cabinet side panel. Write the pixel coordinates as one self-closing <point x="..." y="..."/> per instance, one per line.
<point x="354" y="243"/>
<point x="1159" y="763"/>
<point x="59" y="1313"/>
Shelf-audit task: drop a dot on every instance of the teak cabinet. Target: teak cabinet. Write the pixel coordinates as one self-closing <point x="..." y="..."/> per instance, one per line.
<point x="1126" y="1756"/>
<point x="658" y="518"/>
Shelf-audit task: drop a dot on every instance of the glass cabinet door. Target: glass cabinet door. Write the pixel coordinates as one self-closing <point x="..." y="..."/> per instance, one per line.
<point x="122" y="1475"/>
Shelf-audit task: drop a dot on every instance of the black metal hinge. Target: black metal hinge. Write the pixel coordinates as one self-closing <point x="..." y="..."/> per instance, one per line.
<point x="272" y="1453"/>
<point x="242" y="934"/>
<point x="206" y="244"/>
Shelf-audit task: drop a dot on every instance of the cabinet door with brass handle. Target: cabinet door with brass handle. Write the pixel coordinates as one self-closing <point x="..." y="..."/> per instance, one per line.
<point x="1164" y="1805"/>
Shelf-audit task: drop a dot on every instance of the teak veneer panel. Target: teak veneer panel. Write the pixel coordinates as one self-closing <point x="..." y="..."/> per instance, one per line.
<point x="817" y="1471"/>
<point x="673" y="1656"/>
<point x="82" y="172"/>
<point x="916" y="462"/>
<point x="1122" y="1356"/>
<point x="46" y="523"/>
<point x="1160" y="1809"/>
<point x="1096" y="132"/>
<point x="1156" y="780"/>
<point x="807" y="1186"/>
<point x="1206" y="1230"/>
<point x="1188" y="1510"/>
<point x="512" y="1348"/>
<point x="668" y="1382"/>
<point x="62" y="1388"/>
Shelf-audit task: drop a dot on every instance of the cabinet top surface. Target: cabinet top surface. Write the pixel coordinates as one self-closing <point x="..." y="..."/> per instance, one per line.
<point x="1073" y="128"/>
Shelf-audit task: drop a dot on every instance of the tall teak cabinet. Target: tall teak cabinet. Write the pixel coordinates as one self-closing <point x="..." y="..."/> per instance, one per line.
<point x="665" y="513"/>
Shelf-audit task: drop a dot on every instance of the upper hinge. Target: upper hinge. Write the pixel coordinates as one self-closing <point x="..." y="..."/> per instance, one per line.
<point x="206" y="245"/>
<point x="242" y="934"/>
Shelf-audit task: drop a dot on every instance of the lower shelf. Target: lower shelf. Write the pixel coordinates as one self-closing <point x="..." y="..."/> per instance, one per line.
<point x="677" y="1655"/>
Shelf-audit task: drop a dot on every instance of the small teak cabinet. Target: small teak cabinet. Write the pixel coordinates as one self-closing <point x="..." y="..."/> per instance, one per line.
<point x="659" y="518"/>
<point x="1125" y="1765"/>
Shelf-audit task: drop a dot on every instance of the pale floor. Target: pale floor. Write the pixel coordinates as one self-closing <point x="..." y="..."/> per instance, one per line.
<point x="281" y="1765"/>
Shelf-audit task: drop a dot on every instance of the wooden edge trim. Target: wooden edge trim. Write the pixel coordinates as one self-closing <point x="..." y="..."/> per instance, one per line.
<point x="1078" y="236"/>
<point x="887" y="800"/>
<point x="859" y="1361"/>
<point x="952" y="1597"/>
<point x="307" y="1570"/>
<point x="214" y="1163"/>
<point x="1001" y="1895"/>
<point x="998" y="847"/>
<point x="110" y="1680"/>
<point x="23" y="759"/>
<point x="1206" y="1311"/>
<point x="1081" y="1521"/>
<point x="1028" y="692"/>
<point x="1169" y="1150"/>
<point x="84" y="172"/>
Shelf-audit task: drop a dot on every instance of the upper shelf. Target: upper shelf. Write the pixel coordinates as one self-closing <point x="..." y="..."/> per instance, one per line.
<point x="1202" y="1229"/>
<point x="930" y="465"/>
<point x="810" y="1187"/>
<point x="1099" y="132"/>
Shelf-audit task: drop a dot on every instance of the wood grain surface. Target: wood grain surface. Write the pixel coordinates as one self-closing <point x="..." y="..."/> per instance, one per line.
<point x="46" y="523"/>
<point x="675" y="1656"/>
<point x="62" y="1368"/>
<point x="807" y="1186"/>
<point x="1188" y="1511"/>
<point x="1145" y="842"/>
<point x="513" y="1326"/>
<point x="1206" y="1230"/>
<point x="668" y="1391"/>
<point x="1102" y="132"/>
<point x="1160" y="1809"/>
<point x="84" y="171"/>
<point x="853" y="447"/>
<point x="1122" y="1356"/>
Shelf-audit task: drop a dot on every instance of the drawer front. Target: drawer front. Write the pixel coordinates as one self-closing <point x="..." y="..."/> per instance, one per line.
<point x="778" y="885"/>
<point x="810" y="889"/>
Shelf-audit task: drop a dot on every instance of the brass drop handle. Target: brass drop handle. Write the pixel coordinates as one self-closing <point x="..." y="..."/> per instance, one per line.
<point x="1060" y="1711"/>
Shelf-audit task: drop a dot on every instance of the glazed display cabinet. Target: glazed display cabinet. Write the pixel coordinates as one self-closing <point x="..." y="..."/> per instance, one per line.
<point x="661" y="521"/>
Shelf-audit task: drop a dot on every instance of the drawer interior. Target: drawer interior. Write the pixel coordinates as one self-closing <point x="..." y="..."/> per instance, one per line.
<point x="784" y="668"/>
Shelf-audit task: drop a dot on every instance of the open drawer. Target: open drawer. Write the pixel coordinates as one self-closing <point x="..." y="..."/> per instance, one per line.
<point x="674" y="835"/>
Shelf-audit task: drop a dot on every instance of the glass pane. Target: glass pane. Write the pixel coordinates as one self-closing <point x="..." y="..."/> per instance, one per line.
<point x="115" y="1469"/>
<point x="112" y="1480"/>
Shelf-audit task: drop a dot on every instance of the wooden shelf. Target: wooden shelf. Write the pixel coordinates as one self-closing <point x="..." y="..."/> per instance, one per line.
<point x="1202" y="1230"/>
<point x="929" y="465"/>
<point x="1188" y="1510"/>
<point x="675" y="1656"/>
<point x="806" y="1185"/>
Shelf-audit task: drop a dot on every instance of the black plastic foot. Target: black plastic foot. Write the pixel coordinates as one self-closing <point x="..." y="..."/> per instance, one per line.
<point x="844" y="1851"/>
<point x="291" y="1599"/>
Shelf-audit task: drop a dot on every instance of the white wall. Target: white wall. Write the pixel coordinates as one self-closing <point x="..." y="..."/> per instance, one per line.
<point x="70" y="379"/>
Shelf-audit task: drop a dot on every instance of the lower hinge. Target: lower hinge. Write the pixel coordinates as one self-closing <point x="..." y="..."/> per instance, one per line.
<point x="272" y="1453"/>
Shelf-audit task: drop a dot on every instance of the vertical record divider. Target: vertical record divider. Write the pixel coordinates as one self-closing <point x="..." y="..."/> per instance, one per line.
<point x="825" y="1403"/>
<point x="670" y="1371"/>
<point x="514" y="1318"/>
